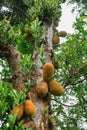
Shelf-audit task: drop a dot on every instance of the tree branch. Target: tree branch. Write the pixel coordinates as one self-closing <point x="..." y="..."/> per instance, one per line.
<point x="64" y="104"/>
<point x="69" y="82"/>
<point x="73" y="73"/>
<point x="13" y="57"/>
<point x="4" y="50"/>
<point x="78" y="82"/>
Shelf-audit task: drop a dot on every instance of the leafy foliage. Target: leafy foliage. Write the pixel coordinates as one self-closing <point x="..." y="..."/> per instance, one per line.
<point x="71" y="71"/>
<point x="8" y="33"/>
<point x="6" y="71"/>
<point x="45" y="10"/>
<point x="13" y="8"/>
<point x="8" y="99"/>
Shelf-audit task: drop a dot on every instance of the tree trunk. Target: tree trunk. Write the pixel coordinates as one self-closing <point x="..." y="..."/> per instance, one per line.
<point x="42" y="121"/>
<point x="14" y="61"/>
<point x="13" y="57"/>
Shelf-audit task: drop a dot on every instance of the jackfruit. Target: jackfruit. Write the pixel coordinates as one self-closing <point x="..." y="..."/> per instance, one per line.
<point x="55" y="88"/>
<point x="27" y="30"/>
<point x="19" y="109"/>
<point x="62" y="34"/>
<point x="29" y="108"/>
<point x="42" y="89"/>
<point x="56" y="21"/>
<point x="28" y="35"/>
<point x="48" y="71"/>
<point x="11" y="85"/>
<point x="56" y="39"/>
<point x="56" y="64"/>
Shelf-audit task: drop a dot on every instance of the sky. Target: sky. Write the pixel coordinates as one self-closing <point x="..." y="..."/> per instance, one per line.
<point x="67" y="18"/>
<point x="0" y="68"/>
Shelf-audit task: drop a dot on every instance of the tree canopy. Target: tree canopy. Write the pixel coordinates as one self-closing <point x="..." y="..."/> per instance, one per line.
<point x="33" y="61"/>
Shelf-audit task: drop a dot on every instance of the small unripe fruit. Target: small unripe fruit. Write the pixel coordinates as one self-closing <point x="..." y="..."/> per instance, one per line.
<point x="56" y="21"/>
<point x="20" y="110"/>
<point x="48" y="71"/>
<point x="56" y="39"/>
<point x="29" y="108"/>
<point x="62" y="34"/>
<point x="28" y="35"/>
<point x="56" y="64"/>
<point x="27" y="30"/>
<point x="55" y="88"/>
<point x="42" y="89"/>
<point x="11" y="85"/>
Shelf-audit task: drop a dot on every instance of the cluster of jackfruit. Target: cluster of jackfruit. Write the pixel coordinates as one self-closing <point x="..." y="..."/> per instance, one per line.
<point x="28" y="108"/>
<point x="48" y="84"/>
<point x="42" y="88"/>
<point x="56" y="38"/>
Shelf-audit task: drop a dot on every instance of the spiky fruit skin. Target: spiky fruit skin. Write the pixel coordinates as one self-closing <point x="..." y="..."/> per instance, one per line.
<point x="56" y="64"/>
<point x="28" y="35"/>
<point x="62" y="34"/>
<point x="42" y="89"/>
<point x="20" y="109"/>
<point x="56" y="39"/>
<point x="29" y="108"/>
<point x="27" y="30"/>
<point x="11" y="85"/>
<point x="56" y="22"/>
<point x="55" y="88"/>
<point x="48" y="71"/>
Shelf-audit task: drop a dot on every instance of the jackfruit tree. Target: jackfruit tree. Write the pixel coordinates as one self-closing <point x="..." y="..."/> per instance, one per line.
<point x="43" y="82"/>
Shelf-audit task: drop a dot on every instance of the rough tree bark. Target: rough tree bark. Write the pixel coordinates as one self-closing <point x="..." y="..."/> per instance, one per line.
<point x="42" y="122"/>
<point x="13" y="57"/>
